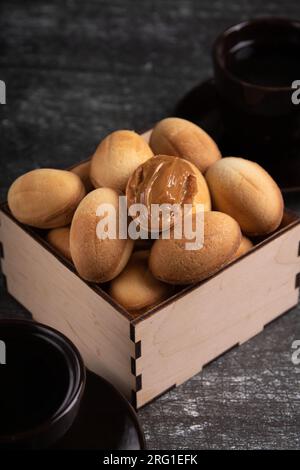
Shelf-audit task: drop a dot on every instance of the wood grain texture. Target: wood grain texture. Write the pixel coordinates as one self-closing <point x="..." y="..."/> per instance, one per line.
<point x="167" y="346"/>
<point x="76" y="70"/>
<point x="226" y="310"/>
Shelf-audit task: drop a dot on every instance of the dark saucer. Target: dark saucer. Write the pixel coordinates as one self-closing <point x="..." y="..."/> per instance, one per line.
<point x="105" y="421"/>
<point x="201" y="106"/>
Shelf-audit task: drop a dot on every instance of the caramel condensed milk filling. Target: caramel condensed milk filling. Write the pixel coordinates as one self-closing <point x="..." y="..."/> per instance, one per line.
<point x="162" y="180"/>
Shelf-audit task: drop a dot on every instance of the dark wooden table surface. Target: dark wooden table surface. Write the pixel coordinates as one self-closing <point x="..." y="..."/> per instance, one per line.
<point x="76" y="70"/>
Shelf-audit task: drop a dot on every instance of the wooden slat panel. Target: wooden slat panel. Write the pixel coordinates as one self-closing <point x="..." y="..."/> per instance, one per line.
<point x="228" y="309"/>
<point x="58" y="297"/>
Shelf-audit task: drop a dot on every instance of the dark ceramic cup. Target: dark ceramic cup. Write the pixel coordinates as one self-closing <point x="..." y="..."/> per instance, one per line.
<point x="255" y="63"/>
<point x="41" y="385"/>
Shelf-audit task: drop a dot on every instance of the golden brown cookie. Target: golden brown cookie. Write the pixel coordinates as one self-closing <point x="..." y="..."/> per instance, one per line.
<point x="59" y="238"/>
<point x="171" y="262"/>
<point x="136" y="288"/>
<point x="116" y="158"/>
<point x="166" y="180"/>
<point x="45" y="198"/>
<point x="83" y="171"/>
<point x="244" y="247"/>
<point x="244" y="190"/>
<point x="181" y="138"/>
<point x="96" y="259"/>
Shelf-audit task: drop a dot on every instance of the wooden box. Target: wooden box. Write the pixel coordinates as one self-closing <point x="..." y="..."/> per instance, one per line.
<point x="147" y="355"/>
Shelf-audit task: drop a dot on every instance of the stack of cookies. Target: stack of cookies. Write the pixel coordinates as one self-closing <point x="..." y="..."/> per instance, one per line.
<point x="181" y="165"/>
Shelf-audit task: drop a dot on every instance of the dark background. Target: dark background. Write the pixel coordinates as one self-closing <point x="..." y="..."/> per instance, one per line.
<point x="76" y="70"/>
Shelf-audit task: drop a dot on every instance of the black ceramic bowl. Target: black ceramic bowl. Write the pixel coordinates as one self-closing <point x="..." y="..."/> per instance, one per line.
<point x="255" y="64"/>
<point x="41" y="385"/>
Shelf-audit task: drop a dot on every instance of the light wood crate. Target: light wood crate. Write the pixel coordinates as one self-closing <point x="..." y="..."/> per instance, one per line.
<point x="147" y="355"/>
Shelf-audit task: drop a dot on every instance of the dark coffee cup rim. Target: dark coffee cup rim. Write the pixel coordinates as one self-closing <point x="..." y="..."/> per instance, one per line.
<point x="216" y="48"/>
<point x="74" y="396"/>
